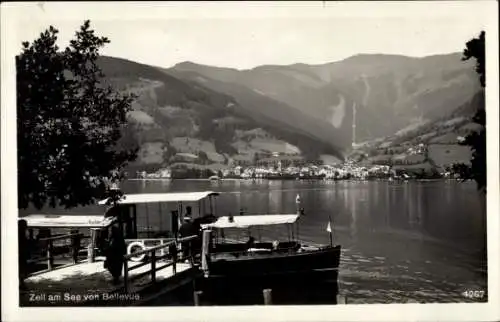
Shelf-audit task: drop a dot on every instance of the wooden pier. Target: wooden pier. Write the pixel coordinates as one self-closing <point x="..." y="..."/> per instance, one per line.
<point x="88" y="283"/>
<point x="162" y="278"/>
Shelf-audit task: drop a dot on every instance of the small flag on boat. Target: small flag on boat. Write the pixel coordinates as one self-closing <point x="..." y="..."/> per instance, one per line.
<point x="329" y="230"/>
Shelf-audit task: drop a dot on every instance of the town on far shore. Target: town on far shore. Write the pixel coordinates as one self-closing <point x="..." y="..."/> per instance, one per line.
<point x="410" y="162"/>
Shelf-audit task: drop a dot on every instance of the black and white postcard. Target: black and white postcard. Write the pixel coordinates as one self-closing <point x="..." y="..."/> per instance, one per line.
<point x="323" y="160"/>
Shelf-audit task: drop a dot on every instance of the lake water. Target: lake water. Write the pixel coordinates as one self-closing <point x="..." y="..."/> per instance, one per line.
<point x="420" y="241"/>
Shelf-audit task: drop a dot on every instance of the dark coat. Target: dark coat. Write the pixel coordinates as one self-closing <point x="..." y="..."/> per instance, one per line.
<point x="115" y="251"/>
<point x="187" y="229"/>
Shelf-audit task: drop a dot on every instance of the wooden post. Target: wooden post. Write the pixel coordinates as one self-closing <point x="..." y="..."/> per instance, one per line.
<point x="175" y="223"/>
<point x="162" y="250"/>
<point x="134" y="209"/>
<point x="298" y="236"/>
<point x="205" y="251"/>
<point x="91" y="246"/>
<point x="181" y="216"/>
<point x="50" y="256"/>
<point x="147" y="221"/>
<point x="330" y="229"/>
<point x="125" y="275"/>
<point x="175" y="257"/>
<point x="161" y="215"/>
<point x="153" y="266"/>
<point x="197" y="297"/>
<point x="75" y="243"/>
<point x="268" y="299"/>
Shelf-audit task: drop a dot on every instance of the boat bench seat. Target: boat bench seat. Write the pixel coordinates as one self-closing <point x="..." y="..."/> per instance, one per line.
<point x="263" y="245"/>
<point x="288" y="245"/>
<point x="227" y="248"/>
<point x="241" y="247"/>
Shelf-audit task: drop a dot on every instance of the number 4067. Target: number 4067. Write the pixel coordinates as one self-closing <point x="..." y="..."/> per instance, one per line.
<point x="473" y="294"/>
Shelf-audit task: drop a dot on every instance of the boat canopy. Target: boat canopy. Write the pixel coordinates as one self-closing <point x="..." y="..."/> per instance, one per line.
<point x="252" y="220"/>
<point x="67" y="221"/>
<point x="163" y="197"/>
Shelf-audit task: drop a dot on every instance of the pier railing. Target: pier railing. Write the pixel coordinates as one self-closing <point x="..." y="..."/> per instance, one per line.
<point x="48" y="247"/>
<point x="171" y="253"/>
<point x="146" y="241"/>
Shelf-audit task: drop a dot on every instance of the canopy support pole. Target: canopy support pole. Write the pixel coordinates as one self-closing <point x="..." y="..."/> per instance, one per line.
<point x="147" y="218"/>
<point x="134" y="209"/>
<point x="215" y="207"/>
<point x="181" y="215"/>
<point x="161" y="221"/>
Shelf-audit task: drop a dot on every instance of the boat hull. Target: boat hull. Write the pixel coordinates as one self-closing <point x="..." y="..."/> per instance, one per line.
<point x="301" y="278"/>
<point x="308" y="262"/>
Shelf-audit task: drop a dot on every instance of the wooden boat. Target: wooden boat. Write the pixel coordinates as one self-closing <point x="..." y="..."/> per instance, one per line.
<point x="48" y="221"/>
<point x="168" y="206"/>
<point x="61" y="230"/>
<point x="138" y="233"/>
<point x="290" y="257"/>
<point x="230" y="258"/>
<point x="55" y="240"/>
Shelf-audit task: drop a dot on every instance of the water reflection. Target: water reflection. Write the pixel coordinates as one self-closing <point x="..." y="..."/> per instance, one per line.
<point x="422" y="206"/>
<point x="237" y="196"/>
<point x="387" y="203"/>
<point x="165" y="184"/>
<point x="412" y="205"/>
<point x="275" y="201"/>
<point x="353" y="207"/>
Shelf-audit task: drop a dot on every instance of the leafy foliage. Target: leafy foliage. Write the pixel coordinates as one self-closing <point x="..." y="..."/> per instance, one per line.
<point x="477" y="140"/>
<point x="475" y="48"/>
<point x="68" y="122"/>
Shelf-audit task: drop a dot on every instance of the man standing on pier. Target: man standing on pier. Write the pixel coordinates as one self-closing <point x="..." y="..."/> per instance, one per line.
<point x="114" y="253"/>
<point x="187" y="229"/>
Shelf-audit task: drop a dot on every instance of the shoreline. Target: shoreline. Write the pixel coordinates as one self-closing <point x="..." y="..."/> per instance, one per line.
<point x="312" y="179"/>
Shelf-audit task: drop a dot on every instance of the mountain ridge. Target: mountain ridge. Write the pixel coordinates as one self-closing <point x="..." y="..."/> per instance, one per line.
<point x="352" y="57"/>
<point x="311" y="106"/>
<point x="173" y="118"/>
<point x="396" y="88"/>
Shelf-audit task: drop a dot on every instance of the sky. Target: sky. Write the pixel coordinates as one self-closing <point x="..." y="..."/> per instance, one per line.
<point x="245" y="35"/>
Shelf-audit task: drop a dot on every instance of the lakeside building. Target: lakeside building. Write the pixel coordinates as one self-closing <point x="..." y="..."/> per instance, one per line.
<point x="409" y="164"/>
<point x="165" y="173"/>
<point x="283" y="161"/>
